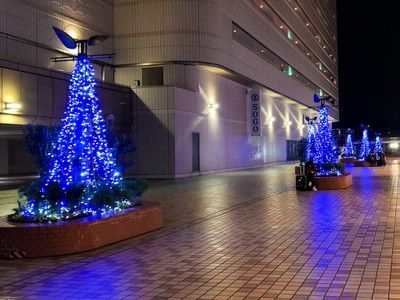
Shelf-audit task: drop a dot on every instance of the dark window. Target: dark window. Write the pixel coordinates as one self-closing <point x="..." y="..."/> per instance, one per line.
<point x="153" y="76"/>
<point x="195" y="152"/>
<point x="291" y="150"/>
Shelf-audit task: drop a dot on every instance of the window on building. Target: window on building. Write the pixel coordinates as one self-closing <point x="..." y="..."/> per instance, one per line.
<point x="153" y="76"/>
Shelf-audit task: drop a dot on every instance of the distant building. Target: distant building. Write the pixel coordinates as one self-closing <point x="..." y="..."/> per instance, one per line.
<point x="201" y="86"/>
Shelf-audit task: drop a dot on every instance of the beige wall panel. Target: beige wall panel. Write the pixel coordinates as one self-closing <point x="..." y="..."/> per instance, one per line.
<point x="29" y="101"/>
<point x="174" y="75"/>
<point x="45" y="96"/>
<point x="192" y="78"/>
<point x="156" y="98"/>
<point x="127" y="75"/>
<point x="148" y="24"/>
<point x="147" y="55"/>
<point x="182" y="25"/>
<point x="214" y="26"/>
<point x="184" y="53"/>
<point x="11" y="86"/>
<point x="185" y="100"/>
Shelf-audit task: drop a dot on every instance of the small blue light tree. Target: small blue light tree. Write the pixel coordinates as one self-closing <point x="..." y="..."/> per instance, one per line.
<point x="378" y="145"/>
<point x="364" y="146"/>
<point x="326" y="157"/>
<point x="349" y="147"/>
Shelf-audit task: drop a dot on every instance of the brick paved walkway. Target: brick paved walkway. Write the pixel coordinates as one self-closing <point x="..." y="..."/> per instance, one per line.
<point x="241" y="235"/>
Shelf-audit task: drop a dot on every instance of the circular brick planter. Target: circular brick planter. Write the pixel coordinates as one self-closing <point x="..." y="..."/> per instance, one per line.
<point x="333" y="182"/>
<point x="19" y="240"/>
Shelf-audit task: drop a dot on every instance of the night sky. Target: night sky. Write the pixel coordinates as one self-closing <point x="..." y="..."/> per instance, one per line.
<point x="369" y="64"/>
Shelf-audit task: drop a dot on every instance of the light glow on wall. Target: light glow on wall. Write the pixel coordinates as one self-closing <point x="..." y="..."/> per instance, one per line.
<point x="12" y="107"/>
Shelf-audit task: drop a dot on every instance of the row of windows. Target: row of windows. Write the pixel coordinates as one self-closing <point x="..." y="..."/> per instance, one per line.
<point x="245" y="39"/>
<point x="294" y="4"/>
<point x="289" y="34"/>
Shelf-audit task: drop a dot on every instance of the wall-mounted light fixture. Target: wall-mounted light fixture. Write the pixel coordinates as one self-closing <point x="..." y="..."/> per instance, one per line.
<point x="213" y="105"/>
<point x="270" y="120"/>
<point x="12" y="107"/>
<point x="287" y="124"/>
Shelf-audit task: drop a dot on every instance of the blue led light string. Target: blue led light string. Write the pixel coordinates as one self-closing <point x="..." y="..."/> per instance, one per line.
<point x="378" y="145"/>
<point x="81" y="151"/>
<point x="349" y="147"/>
<point x="364" y="146"/>
<point x="327" y="152"/>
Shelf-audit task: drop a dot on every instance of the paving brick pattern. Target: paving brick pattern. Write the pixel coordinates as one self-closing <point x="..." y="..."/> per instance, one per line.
<point x="241" y="235"/>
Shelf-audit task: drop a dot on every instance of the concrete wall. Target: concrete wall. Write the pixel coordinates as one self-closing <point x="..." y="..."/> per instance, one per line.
<point x="27" y="36"/>
<point x="165" y="118"/>
<point x="201" y="32"/>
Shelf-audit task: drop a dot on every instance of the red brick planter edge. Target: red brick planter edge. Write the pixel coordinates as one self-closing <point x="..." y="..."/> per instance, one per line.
<point x="67" y="237"/>
<point x="333" y="182"/>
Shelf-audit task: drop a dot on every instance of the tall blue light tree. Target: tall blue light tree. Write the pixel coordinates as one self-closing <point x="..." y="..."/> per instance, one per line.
<point x="82" y="176"/>
<point x="349" y="147"/>
<point x="81" y="153"/>
<point x="364" y="146"/>
<point x="378" y="145"/>
<point x="327" y="154"/>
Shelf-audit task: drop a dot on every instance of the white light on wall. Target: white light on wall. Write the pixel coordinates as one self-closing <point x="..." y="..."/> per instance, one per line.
<point x="394" y="145"/>
<point x="213" y="106"/>
<point x="287" y="123"/>
<point x="11" y="107"/>
<point x="269" y="120"/>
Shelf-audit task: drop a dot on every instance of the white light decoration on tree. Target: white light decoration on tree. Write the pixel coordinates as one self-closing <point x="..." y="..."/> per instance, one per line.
<point x="364" y="146"/>
<point x="349" y="147"/>
<point x="378" y="145"/>
<point x="326" y="157"/>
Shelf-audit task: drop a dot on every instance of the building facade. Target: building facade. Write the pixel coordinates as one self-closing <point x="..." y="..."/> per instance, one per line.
<point x="202" y="86"/>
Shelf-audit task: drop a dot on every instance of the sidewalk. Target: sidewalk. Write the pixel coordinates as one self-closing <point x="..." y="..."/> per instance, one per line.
<point x="239" y="235"/>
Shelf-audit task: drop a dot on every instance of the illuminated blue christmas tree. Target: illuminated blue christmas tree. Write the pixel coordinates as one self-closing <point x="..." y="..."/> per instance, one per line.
<point x="364" y="146"/>
<point x="81" y="152"/>
<point x="378" y="145"/>
<point x="349" y="148"/>
<point x="81" y="176"/>
<point x="326" y="156"/>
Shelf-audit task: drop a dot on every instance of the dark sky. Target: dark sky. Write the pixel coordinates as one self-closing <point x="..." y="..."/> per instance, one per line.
<point x="369" y="64"/>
